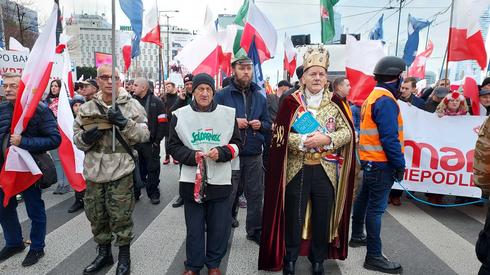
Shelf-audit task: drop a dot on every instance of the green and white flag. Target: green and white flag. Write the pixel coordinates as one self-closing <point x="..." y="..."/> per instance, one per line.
<point x="327" y="20"/>
<point x="240" y="19"/>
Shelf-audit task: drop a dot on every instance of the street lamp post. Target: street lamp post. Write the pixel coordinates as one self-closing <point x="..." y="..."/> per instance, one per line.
<point x="165" y="13"/>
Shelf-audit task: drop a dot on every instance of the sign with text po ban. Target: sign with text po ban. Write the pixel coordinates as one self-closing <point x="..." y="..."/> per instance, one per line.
<point x="439" y="152"/>
<point x="12" y="62"/>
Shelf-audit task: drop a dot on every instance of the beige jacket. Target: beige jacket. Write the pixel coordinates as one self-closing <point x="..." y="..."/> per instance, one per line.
<point x="101" y="164"/>
<point x="481" y="162"/>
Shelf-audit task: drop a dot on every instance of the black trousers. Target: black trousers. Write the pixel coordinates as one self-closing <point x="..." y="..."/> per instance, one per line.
<point x="311" y="183"/>
<point x="483" y="246"/>
<point x="208" y="229"/>
<point x="149" y="160"/>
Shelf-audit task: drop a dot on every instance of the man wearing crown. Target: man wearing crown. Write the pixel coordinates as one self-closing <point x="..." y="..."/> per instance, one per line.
<point x="309" y="184"/>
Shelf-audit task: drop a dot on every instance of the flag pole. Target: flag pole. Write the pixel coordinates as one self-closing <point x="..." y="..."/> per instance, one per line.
<point x="427" y="37"/>
<point x="398" y="29"/>
<point x="113" y="46"/>
<point x="449" y="38"/>
<point x="160" y="53"/>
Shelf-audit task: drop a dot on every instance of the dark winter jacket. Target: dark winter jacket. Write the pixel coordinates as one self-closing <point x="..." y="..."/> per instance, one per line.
<point x="415" y="101"/>
<point x="154" y="107"/>
<point x="41" y="133"/>
<point x="256" y="103"/>
<point x="179" y="103"/>
<point x="169" y="102"/>
<point x="186" y="156"/>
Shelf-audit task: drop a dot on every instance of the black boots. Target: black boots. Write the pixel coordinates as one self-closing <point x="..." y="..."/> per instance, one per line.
<point x="103" y="259"/>
<point x="124" y="263"/>
<point x="317" y="269"/>
<point x="78" y="204"/>
<point x="382" y="264"/>
<point x="288" y="268"/>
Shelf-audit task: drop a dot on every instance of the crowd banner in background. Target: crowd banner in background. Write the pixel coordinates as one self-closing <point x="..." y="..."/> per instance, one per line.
<point x="439" y="152"/>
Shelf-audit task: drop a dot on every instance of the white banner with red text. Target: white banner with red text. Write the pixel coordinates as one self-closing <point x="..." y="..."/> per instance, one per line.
<point x="14" y="62"/>
<point x="439" y="152"/>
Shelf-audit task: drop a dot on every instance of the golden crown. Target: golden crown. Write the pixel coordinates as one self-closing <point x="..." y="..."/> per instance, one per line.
<point x="316" y="56"/>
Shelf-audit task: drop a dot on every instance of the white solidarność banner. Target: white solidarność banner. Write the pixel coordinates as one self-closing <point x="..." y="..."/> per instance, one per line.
<point x="439" y="152"/>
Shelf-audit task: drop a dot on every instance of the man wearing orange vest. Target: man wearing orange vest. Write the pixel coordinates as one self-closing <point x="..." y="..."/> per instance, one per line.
<point x="382" y="160"/>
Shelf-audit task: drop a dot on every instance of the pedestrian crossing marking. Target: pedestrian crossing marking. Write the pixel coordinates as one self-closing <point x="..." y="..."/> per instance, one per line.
<point x="441" y="240"/>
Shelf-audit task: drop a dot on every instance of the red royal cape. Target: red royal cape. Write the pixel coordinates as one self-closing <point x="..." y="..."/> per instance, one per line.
<point x="272" y="244"/>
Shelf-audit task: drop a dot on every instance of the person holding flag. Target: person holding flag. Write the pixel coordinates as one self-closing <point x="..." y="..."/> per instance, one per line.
<point x="40" y="135"/>
<point x="109" y="196"/>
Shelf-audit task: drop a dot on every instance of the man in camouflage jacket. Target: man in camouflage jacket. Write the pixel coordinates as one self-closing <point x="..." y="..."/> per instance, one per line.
<point x="109" y="197"/>
<point x="481" y="171"/>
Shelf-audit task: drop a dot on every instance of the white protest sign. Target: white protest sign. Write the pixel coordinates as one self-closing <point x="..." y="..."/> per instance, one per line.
<point x="12" y="62"/>
<point x="439" y="152"/>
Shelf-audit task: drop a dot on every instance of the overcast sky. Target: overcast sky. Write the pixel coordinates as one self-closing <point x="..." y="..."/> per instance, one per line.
<point x="294" y="17"/>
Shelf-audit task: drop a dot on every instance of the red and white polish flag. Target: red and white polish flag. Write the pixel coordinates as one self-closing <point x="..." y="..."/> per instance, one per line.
<point x="361" y="57"/>
<point x="71" y="157"/>
<point x="20" y="170"/>
<point x="202" y="55"/>
<point x="465" y="37"/>
<point x="151" y="26"/>
<point x="257" y="25"/>
<point x="417" y="69"/>
<point x="289" y="55"/>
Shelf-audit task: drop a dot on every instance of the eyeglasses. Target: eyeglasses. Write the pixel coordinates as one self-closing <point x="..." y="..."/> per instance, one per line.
<point x="107" y="77"/>
<point x="13" y="86"/>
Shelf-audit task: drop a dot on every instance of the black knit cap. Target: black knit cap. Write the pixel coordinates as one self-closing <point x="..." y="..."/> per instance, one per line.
<point x="188" y="77"/>
<point x="485" y="82"/>
<point x="202" y="78"/>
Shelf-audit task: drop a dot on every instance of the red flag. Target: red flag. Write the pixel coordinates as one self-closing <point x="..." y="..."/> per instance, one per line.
<point x="470" y="90"/>
<point x="361" y="57"/>
<point x="20" y="170"/>
<point x="151" y="27"/>
<point x="418" y="66"/>
<point x="126" y="51"/>
<point x="465" y="37"/>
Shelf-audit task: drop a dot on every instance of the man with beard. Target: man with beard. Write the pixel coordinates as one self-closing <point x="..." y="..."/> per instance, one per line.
<point x="254" y="123"/>
<point x="170" y="99"/>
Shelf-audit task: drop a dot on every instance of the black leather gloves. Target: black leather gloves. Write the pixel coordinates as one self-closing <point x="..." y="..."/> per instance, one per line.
<point x="115" y="116"/>
<point x="398" y="174"/>
<point x="91" y="136"/>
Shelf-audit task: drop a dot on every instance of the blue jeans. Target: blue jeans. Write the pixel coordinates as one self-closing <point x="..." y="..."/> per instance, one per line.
<point x="370" y="205"/>
<point x="9" y="220"/>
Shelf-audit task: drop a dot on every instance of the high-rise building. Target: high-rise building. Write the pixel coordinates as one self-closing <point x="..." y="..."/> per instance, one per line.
<point x="93" y="33"/>
<point x="147" y="63"/>
<point x="89" y="34"/>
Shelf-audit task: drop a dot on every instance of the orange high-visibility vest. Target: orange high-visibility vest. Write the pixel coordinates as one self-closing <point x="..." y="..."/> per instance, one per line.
<point x="370" y="147"/>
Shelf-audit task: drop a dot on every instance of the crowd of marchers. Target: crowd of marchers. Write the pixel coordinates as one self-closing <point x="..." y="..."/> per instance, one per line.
<point x="235" y="148"/>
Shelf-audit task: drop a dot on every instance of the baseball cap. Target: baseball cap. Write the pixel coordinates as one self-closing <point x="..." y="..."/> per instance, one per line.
<point x="441" y="92"/>
<point x="242" y="60"/>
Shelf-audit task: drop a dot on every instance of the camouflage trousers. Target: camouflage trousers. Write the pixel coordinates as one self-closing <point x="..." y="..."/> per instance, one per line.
<point x="109" y="207"/>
